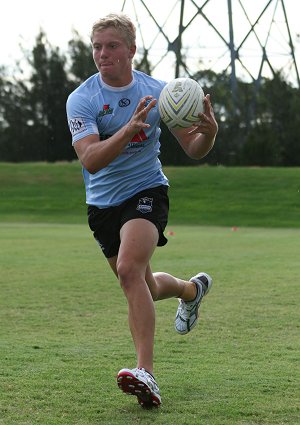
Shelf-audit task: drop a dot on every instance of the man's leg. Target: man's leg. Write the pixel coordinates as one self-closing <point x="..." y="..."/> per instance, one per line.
<point x="164" y="285"/>
<point x="138" y="240"/>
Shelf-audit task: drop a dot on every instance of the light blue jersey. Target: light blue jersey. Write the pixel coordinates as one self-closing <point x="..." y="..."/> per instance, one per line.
<point x="96" y="108"/>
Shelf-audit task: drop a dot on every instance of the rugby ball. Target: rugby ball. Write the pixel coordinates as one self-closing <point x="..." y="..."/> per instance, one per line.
<point x="180" y="102"/>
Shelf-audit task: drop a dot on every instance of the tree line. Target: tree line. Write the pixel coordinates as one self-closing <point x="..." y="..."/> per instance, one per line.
<point x="260" y="126"/>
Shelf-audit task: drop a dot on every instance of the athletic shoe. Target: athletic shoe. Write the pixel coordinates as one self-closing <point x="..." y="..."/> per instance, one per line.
<point x="188" y="311"/>
<point x="140" y="383"/>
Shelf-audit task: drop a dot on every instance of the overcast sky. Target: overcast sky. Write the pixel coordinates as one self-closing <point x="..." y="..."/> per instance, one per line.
<point x="22" y="19"/>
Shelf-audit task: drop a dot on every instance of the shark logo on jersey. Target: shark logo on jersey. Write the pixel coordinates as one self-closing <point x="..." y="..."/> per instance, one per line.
<point x="76" y="125"/>
<point x="145" y="205"/>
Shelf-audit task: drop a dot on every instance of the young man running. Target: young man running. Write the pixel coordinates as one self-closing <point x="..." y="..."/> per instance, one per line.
<point x="114" y="122"/>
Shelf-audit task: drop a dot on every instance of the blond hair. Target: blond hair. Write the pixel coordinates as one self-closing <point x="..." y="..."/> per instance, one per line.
<point x="121" y="22"/>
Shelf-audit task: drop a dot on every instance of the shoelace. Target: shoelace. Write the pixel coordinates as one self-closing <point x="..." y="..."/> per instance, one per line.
<point x="184" y="306"/>
<point x="183" y="310"/>
<point x="150" y="380"/>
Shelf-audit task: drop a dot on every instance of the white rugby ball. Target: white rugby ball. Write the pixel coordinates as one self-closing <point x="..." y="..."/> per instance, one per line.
<point x="180" y="102"/>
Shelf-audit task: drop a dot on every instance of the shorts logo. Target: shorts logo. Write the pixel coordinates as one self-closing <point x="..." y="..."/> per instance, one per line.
<point x="145" y="205"/>
<point x="76" y="125"/>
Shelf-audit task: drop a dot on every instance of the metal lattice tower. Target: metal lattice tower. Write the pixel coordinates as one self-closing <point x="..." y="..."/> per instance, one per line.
<point x="247" y="39"/>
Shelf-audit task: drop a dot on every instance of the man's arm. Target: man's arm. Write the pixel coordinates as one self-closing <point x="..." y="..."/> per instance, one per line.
<point x="199" y="140"/>
<point x="95" y="154"/>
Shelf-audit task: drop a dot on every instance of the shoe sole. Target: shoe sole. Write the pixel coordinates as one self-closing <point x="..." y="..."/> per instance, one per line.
<point x="130" y="385"/>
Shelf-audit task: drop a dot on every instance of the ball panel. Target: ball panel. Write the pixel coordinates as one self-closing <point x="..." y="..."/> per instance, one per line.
<point x="180" y="102"/>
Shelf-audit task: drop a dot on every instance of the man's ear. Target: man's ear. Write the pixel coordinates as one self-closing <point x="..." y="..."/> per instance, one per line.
<point x="132" y="51"/>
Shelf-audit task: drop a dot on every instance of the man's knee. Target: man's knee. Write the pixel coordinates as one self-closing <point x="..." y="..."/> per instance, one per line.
<point x="129" y="274"/>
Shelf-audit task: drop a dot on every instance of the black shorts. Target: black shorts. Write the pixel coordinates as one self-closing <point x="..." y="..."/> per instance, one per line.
<point x="150" y="204"/>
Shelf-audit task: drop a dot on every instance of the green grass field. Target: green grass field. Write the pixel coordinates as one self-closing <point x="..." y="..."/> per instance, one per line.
<point x="63" y="324"/>
<point x="259" y="197"/>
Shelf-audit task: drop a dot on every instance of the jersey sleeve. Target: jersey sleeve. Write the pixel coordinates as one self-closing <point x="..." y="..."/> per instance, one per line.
<point x="81" y="117"/>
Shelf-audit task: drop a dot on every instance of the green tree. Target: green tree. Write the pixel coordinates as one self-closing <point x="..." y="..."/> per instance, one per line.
<point x="280" y="108"/>
<point x="260" y="126"/>
<point x="15" y="118"/>
<point x="229" y="116"/>
<point x="81" y="60"/>
<point x="49" y="89"/>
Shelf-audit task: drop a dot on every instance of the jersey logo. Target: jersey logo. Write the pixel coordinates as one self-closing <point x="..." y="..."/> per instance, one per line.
<point x="145" y="205"/>
<point x="124" y="102"/>
<point x="139" y="137"/>
<point x="76" y="125"/>
<point x="106" y="110"/>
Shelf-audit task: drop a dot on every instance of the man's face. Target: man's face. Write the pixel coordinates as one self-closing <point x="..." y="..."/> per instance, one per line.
<point x="112" y="57"/>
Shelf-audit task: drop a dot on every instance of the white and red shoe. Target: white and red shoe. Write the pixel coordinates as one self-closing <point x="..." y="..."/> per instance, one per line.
<point x="140" y="383"/>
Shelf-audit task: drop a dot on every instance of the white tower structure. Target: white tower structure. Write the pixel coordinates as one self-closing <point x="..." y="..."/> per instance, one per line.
<point x="248" y="39"/>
